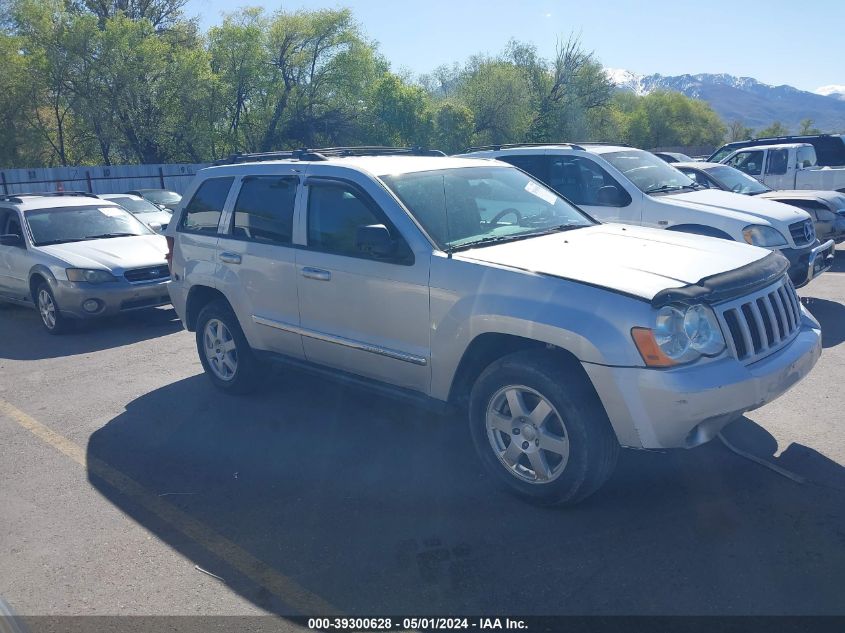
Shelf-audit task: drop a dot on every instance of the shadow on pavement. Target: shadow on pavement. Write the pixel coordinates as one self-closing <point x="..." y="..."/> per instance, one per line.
<point x="24" y="338"/>
<point x="379" y="508"/>
<point x="831" y="316"/>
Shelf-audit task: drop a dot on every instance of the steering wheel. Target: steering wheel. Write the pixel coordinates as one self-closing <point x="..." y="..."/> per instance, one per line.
<point x="505" y="212"/>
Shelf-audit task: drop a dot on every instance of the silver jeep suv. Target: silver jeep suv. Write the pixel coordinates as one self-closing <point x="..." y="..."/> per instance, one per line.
<point x="465" y="282"/>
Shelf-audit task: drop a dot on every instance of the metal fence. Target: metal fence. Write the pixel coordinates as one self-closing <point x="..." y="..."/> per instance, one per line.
<point x="101" y="179"/>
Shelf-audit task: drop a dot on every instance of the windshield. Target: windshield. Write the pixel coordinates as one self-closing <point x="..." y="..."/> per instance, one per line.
<point x="473" y="205"/>
<point x="717" y="156"/>
<point x="134" y="205"/>
<point x="734" y="180"/>
<point x="648" y="172"/>
<point x="162" y="196"/>
<point x="75" y="224"/>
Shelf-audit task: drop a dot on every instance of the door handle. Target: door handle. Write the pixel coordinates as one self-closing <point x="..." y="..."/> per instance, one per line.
<point x="230" y="258"/>
<point x="316" y="273"/>
<point x="663" y="222"/>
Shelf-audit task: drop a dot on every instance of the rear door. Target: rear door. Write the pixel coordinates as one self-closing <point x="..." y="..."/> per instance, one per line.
<point x="257" y="270"/>
<point x="361" y="314"/>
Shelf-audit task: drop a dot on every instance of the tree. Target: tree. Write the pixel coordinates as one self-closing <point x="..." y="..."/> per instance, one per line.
<point x="738" y="132"/>
<point x="666" y="119"/>
<point x="161" y="14"/>
<point x="775" y="129"/>
<point x="454" y="126"/>
<point x="398" y="113"/>
<point x="807" y="127"/>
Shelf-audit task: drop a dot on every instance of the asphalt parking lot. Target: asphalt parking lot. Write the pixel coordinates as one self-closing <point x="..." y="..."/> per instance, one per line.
<point x="126" y="476"/>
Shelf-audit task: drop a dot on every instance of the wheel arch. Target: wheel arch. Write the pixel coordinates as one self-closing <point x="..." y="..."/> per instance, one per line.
<point x="489" y="347"/>
<point x="38" y="275"/>
<point x="200" y="296"/>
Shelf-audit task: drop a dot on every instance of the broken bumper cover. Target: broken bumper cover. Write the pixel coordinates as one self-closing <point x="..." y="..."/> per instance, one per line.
<point x="687" y="406"/>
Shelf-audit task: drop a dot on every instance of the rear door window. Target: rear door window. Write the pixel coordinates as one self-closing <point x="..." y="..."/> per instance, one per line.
<point x="264" y="210"/>
<point x="202" y="213"/>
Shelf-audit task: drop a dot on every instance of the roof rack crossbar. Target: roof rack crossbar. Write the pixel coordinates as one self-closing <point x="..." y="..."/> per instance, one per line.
<point x="16" y="197"/>
<point x="497" y="147"/>
<point x="321" y="154"/>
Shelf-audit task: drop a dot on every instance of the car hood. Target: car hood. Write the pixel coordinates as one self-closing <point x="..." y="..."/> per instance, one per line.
<point x="115" y="254"/>
<point x="635" y="260"/>
<point x="746" y="208"/>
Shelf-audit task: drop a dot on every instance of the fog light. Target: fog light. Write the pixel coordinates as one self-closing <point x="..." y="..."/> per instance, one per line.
<point x="91" y="305"/>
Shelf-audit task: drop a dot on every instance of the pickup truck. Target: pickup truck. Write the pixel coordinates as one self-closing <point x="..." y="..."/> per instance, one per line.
<point x="787" y="166"/>
<point x="469" y="287"/>
<point x="616" y="183"/>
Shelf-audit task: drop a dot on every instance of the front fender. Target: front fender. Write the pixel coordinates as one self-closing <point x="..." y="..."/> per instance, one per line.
<point x="591" y="323"/>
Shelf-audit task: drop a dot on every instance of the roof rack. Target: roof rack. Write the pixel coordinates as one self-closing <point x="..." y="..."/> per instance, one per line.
<point x="16" y="197"/>
<point x="603" y="143"/>
<point x="307" y="154"/>
<point x="498" y="147"/>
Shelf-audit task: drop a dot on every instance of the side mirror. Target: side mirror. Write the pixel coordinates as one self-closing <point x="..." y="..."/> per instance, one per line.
<point x="375" y="240"/>
<point x="609" y="195"/>
<point x="11" y="239"/>
<point x="155" y="226"/>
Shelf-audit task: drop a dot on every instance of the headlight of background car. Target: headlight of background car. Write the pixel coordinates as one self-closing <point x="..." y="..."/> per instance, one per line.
<point x="681" y="334"/>
<point x="92" y="276"/>
<point x="761" y="235"/>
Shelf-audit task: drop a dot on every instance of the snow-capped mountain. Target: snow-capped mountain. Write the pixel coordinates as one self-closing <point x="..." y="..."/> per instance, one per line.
<point x="833" y="90"/>
<point x="745" y="99"/>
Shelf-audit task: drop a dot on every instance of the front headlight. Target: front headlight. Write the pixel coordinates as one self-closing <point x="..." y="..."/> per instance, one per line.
<point x="761" y="235"/>
<point x="91" y="275"/>
<point x="681" y="334"/>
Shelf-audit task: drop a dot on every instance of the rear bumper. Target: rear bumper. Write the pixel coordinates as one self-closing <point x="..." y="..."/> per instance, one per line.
<point x="687" y="406"/>
<point x="807" y="263"/>
<point x="112" y="297"/>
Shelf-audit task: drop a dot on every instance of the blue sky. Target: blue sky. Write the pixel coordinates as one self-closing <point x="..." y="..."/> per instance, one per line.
<point x="796" y="42"/>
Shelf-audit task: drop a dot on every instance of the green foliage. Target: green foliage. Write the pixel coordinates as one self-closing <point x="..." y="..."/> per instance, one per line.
<point x="664" y="119"/>
<point x="114" y="81"/>
<point x="807" y="127"/>
<point x="775" y="129"/>
<point x="738" y="132"/>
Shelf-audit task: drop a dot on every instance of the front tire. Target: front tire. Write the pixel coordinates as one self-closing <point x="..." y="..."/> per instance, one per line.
<point x="541" y="430"/>
<point x="224" y="352"/>
<point x="48" y="309"/>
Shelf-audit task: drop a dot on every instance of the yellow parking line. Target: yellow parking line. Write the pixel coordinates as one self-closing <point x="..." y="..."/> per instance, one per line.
<point x="285" y="588"/>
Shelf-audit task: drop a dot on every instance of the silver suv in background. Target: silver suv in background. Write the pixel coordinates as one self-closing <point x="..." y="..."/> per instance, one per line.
<point x="75" y="256"/>
<point x="465" y="282"/>
<point x="617" y="183"/>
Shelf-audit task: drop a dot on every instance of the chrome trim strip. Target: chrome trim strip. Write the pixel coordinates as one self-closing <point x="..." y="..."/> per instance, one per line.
<point x="339" y="340"/>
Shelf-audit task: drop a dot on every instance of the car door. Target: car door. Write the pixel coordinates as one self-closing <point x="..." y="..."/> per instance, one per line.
<point x="257" y="270"/>
<point x="359" y="313"/>
<point x="14" y="260"/>
<point x="777" y="174"/>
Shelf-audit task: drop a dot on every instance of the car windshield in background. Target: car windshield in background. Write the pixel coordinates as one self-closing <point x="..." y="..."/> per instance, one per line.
<point x="476" y="205"/>
<point x="162" y="197"/>
<point x="649" y="173"/>
<point x="76" y="224"/>
<point x="736" y="181"/>
<point x="136" y="206"/>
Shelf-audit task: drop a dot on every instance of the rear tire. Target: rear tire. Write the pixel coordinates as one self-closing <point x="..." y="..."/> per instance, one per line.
<point x="48" y="310"/>
<point x="224" y="352"/>
<point x="541" y="430"/>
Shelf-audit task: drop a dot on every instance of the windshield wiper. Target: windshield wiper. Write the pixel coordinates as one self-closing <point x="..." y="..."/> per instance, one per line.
<point x="498" y="239"/>
<point x="107" y="235"/>
<point x="668" y="188"/>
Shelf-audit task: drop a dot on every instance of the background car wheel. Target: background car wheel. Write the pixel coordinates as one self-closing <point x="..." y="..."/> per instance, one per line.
<point x="51" y="316"/>
<point x="541" y="430"/>
<point x="224" y="352"/>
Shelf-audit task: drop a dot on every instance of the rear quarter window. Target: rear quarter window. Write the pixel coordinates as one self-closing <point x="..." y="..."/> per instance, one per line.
<point x="202" y="213"/>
